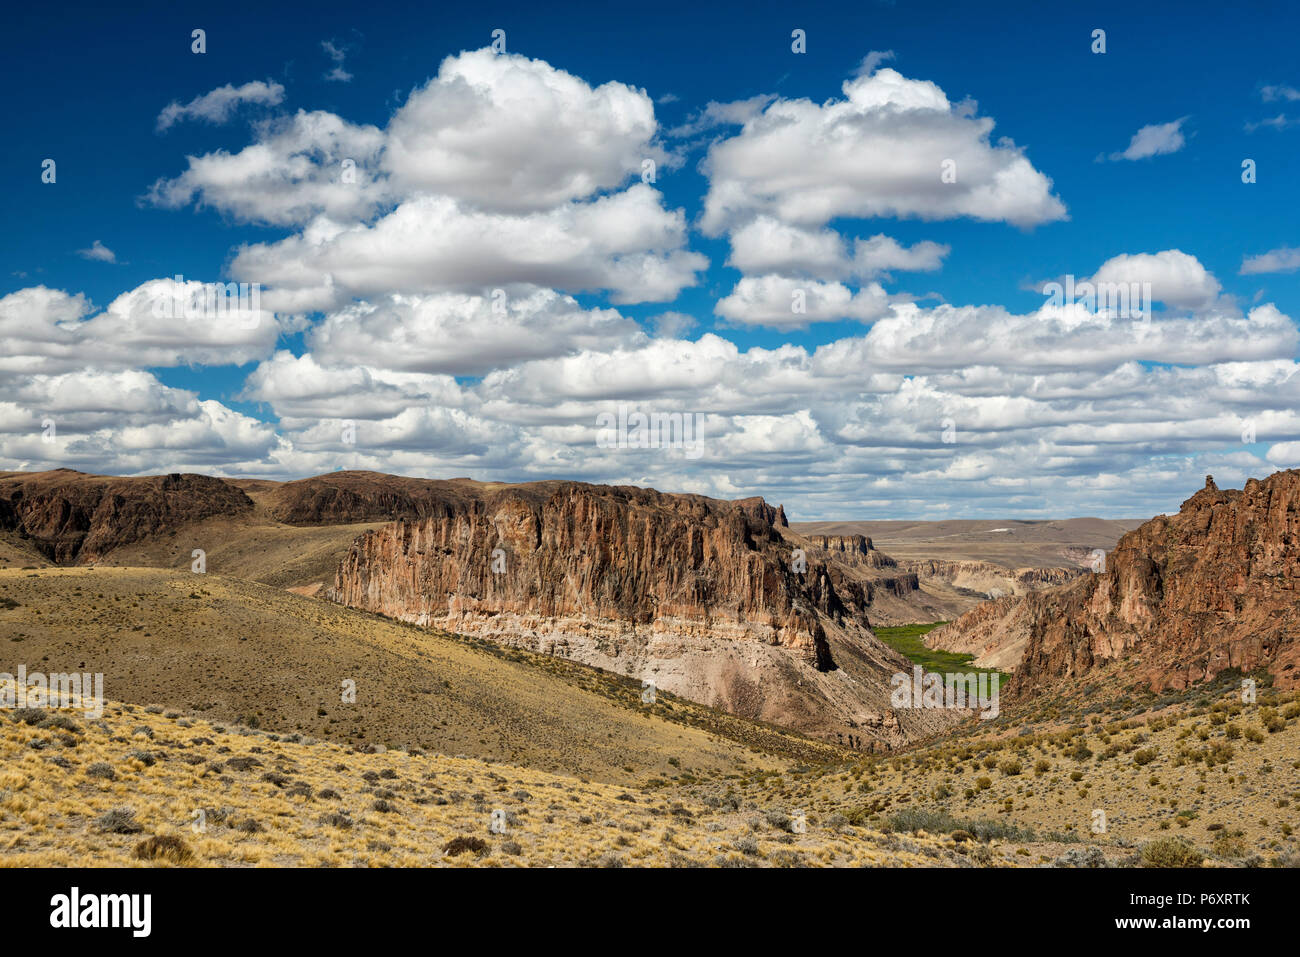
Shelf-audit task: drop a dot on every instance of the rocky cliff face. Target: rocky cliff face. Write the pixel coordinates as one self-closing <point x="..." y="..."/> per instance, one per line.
<point x="1182" y="598"/>
<point x="988" y="577"/>
<point x="700" y="596"/>
<point x="71" y="517"/>
<point x="994" y="631"/>
<point x="628" y="554"/>
<point x="858" y="571"/>
<point x="854" y="549"/>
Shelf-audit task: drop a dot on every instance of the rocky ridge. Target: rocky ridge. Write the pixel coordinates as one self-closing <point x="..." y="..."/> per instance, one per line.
<point x="1181" y="599"/>
<point x="71" y="517"/>
<point x="702" y="597"/>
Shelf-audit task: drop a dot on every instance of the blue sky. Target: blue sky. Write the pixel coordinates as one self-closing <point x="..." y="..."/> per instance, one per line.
<point x="1122" y="433"/>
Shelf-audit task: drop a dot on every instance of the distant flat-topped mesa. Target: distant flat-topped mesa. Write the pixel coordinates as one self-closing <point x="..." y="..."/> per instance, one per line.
<point x="1181" y="599"/>
<point x="704" y="598"/>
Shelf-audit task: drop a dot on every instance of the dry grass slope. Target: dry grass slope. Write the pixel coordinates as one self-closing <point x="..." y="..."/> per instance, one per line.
<point x="239" y="651"/>
<point x="1201" y="767"/>
<point x="148" y="787"/>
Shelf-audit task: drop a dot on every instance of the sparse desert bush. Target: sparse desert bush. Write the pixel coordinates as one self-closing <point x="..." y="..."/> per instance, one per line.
<point x="1090" y="856"/>
<point x="163" y="847"/>
<point x="937" y="821"/>
<point x="1229" y="844"/>
<point x="981" y="854"/>
<point x="1144" y="756"/>
<point x="777" y="819"/>
<point x="747" y="845"/>
<point x="459" y="845"/>
<point x="1170" y="852"/>
<point x="120" y="820"/>
<point x="55" y="721"/>
<point x="101" y="769"/>
<point x="999" y="831"/>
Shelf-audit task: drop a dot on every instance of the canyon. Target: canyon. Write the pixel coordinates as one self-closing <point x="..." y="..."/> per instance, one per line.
<point x="724" y="603"/>
<point x="1180" y="600"/>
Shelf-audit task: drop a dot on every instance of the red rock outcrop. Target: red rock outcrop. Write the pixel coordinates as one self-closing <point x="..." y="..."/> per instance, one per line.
<point x="1181" y="599"/>
<point x="72" y="517"/>
<point x="703" y="597"/>
<point x="627" y="554"/>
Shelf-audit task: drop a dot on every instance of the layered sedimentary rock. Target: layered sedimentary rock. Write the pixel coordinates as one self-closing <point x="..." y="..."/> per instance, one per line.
<point x="705" y="598"/>
<point x="858" y="570"/>
<point x="1181" y="599"/>
<point x="992" y="579"/>
<point x="72" y="517"/>
<point x="850" y="547"/>
<point x="995" y="632"/>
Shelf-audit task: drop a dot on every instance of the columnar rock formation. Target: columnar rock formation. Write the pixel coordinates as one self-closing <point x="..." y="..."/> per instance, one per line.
<point x="847" y="555"/>
<point x="705" y="598"/>
<point x="628" y="554"/>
